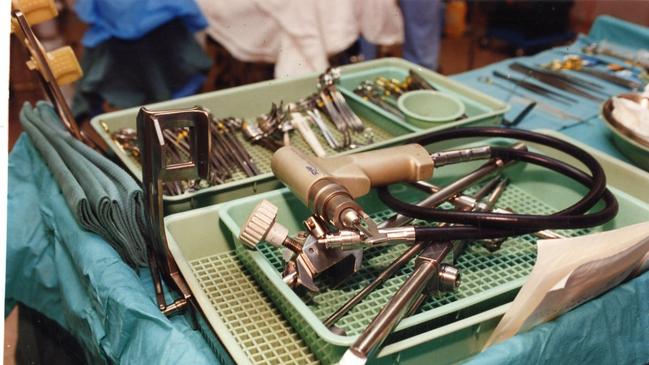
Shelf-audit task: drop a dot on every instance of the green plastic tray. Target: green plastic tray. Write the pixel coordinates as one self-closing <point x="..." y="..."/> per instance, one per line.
<point x="248" y="321"/>
<point x="476" y="106"/>
<point x="249" y="101"/>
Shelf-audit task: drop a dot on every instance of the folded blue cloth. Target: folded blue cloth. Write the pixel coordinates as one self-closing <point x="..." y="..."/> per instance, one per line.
<point x="73" y="277"/>
<point x="131" y="19"/>
<point x="102" y="196"/>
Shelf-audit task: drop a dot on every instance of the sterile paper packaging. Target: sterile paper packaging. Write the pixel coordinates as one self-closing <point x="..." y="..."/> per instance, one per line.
<point x="634" y="116"/>
<point x="571" y="271"/>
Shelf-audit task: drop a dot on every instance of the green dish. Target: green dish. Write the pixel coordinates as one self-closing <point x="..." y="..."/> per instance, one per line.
<point x="428" y="108"/>
<point x="633" y="147"/>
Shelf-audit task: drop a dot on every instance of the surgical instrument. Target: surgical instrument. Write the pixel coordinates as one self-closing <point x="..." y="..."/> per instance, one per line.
<point x="638" y="57"/>
<point x="300" y="123"/>
<point x="227" y="154"/>
<point x="427" y="265"/>
<point x="55" y="68"/>
<point x="559" y="81"/>
<point x="329" y="186"/>
<point x="576" y="63"/>
<point x="399" y="262"/>
<point x="310" y="257"/>
<point x="519" y="118"/>
<point x="465" y="202"/>
<point x="547" y="108"/>
<point x="385" y="92"/>
<point x="521" y="98"/>
<point x="156" y="170"/>
<point x="591" y="86"/>
<point x="377" y="95"/>
<point x="326" y="133"/>
<point x="329" y="93"/>
<point x="419" y="82"/>
<point x="487" y="169"/>
<point x="537" y="89"/>
<point x="431" y="275"/>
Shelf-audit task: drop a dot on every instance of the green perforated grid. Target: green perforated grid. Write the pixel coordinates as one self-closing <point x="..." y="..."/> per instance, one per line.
<point x="261" y="331"/>
<point x="262" y="156"/>
<point x="480" y="269"/>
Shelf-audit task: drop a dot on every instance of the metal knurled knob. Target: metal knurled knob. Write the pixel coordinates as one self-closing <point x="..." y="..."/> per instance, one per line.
<point x="260" y="223"/>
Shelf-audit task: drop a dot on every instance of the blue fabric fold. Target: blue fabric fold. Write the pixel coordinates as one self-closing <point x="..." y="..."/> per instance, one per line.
<point x="74" y="277"/>
<point x="102" y="196"/>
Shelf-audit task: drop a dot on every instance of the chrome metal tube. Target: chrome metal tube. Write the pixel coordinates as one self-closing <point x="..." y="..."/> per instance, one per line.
<point x="465" y="202"/>
<point x="347" y="240"/>
<point x="397" y="264"/>
<point x="462" y="155"/>
<point x="381" y="326"/>
<point x="427" y="266"/>
<point x="447" y="192"/>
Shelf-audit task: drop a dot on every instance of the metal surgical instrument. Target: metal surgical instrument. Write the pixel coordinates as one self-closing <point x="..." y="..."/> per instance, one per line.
<point x="559" y="81"/>
<point x="156" y="170"/>
<point x="537" y="89"/>
<point x="431" y="275"/>
<point x="399" y="262"/>
<point x="55" y="68"/>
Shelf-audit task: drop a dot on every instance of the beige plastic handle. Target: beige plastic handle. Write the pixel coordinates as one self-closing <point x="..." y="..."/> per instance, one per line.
<point x="358" y="173"/>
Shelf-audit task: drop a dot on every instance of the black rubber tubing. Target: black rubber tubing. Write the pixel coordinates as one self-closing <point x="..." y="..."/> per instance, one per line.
<point x="478" y="225"/>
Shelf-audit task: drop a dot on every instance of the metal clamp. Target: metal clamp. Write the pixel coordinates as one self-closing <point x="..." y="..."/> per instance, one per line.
<point x="39" y="62"/>
<point x="155" y="171"/>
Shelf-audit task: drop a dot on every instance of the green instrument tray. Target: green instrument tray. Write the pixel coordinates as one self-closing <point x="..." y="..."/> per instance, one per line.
<point x="476" y="106"/>
<point x="249" y="101"/>
<point x="260" y="320"/>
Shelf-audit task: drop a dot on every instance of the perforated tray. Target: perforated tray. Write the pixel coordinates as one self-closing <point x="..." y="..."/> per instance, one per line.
<point x="481" y="271"/>
<point x="228" y="294"/>
<point x="489" y="279"/>
<point x="263" y="334"/>
<point x="249" y="101"/>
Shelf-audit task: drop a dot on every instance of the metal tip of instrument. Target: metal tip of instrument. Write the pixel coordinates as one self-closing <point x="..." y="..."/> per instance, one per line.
<point x="337" y="330"/>
<point x="350" y="358"/>
<point x="497" y="193"/>
<point x="487" y="188"/>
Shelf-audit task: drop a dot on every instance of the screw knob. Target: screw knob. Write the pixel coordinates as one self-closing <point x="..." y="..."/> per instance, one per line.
<point x="63" y="63"/>
<point x="36" y="11"/>
<point x="261" y="226"/>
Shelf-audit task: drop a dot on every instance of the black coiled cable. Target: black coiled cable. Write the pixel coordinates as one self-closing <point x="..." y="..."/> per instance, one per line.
<point x="477" y="225"/>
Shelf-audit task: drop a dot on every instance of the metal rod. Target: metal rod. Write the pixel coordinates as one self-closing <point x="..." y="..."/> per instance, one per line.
<point x="537" y="89"/>
<point x="455" y="187"/>
<point x="399" y="262"/>
<point x="409" y="296"/>
<point x="486" y="188"/>
<point x="467" y="202"/>
<point x="382" y="325"/>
